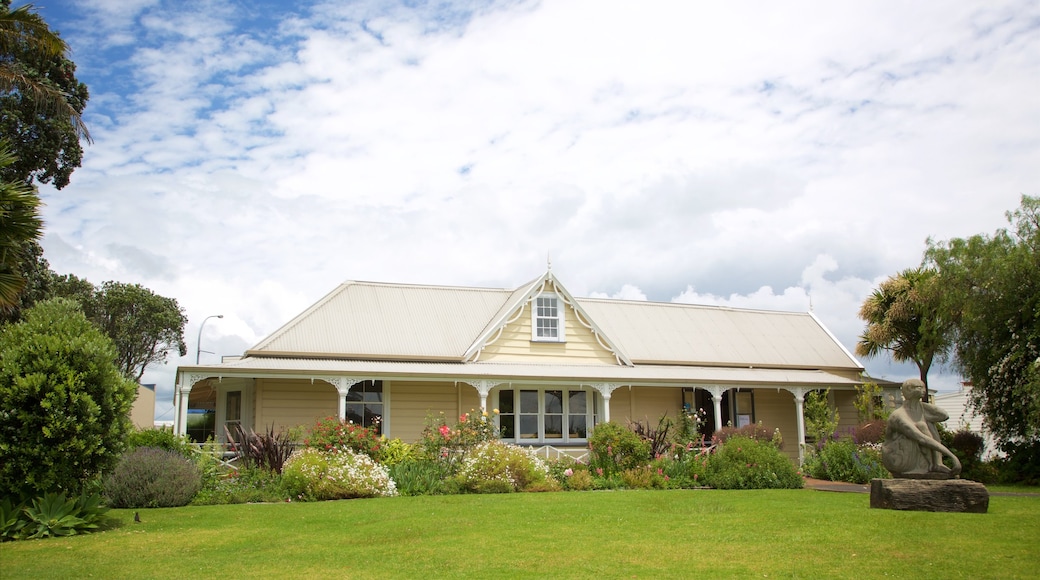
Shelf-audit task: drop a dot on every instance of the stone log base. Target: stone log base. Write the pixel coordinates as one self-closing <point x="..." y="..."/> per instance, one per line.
<point x="929" y="495"/>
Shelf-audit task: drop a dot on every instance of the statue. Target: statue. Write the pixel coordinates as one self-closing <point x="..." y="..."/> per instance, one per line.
<point x="912" y="448"/>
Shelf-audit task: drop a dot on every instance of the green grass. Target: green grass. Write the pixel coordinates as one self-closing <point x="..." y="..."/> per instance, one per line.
<point x="627" y="534"/>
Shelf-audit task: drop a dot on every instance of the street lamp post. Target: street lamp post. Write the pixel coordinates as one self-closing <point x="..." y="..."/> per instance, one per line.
<point x="198" y="343"/>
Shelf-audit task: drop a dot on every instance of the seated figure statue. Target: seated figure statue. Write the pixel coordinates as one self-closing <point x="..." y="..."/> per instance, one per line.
<point x="912" y="448"/>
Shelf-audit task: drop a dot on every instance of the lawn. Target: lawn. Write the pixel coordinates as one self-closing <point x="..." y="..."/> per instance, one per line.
<point x="621" y="534"/>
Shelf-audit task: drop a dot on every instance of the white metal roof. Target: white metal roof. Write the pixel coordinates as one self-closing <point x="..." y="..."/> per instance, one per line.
<point x="409" y="323"/>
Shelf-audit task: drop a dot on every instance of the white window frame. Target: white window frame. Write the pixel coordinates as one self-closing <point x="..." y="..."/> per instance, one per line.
<point x="561" y="319"/>
<point x="592" y="414"/>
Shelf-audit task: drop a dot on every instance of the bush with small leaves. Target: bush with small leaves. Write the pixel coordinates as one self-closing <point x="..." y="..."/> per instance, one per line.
<point x="161" y="438"/>
<point x="148" y="477"/>
<point x="844" y="460"/>
<point x="744" y="463"/>
<point x="615" y="448"/>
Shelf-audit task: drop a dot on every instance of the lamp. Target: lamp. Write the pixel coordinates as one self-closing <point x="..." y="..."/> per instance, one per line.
<point x="198" y="343"/>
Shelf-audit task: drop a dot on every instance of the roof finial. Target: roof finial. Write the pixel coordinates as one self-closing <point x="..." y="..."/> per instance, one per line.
<point x="548" y="260"/>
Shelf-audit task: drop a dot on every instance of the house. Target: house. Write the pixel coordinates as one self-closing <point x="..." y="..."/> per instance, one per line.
<point x="962" y="417"/>
<point x="142" y="413"/>
<point x="390" y="355"/>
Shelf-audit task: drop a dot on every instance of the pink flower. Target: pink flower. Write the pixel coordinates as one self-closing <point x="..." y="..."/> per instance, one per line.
<point x="599" y="471"/>
<point x="695" y="477"/>
<point x="445" y="431"/>
<point x="660" y="471"/>
<point x="568" y="472"/>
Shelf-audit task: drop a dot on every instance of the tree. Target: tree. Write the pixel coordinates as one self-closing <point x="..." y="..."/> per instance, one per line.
<point x="904" y="318"/>
<point x="41" y="102"/>
<point x="20" y="224"/>
<point x="64" y="406"/>
<point x="143" y="325"/>
<point x="991" y="293"/>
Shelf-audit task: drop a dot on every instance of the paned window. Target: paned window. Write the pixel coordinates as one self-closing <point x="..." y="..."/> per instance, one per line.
<point x="546" y="415"/>
<point x="547" y="323"/>
<point x="365" y="404"/>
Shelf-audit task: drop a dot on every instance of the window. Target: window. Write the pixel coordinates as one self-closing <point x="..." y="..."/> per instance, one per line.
<point x="365" y="404"/>
<point x="547" y="322"/>
<point x="744" y="407"/>
<point x="549" y="415"/>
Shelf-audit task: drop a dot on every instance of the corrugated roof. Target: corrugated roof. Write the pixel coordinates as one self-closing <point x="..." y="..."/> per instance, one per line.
<point x="381" y="321"/>
<point x="376" y="320"/>
<point x="655" y="333"/>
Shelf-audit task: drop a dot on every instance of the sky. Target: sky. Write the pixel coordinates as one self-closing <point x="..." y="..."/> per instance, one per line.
<point x="250" y="155"/>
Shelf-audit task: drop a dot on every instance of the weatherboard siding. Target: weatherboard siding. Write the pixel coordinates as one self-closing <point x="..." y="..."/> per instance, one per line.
<point x="775" y="409"/>
<point x="515" y="344"/>
<point x="288" y="403"/>
<point x="413" y="402"/>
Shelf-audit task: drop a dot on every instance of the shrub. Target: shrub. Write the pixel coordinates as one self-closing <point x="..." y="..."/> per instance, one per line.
<point x="655" y="437"/>
<point x="421" y="477"/>
<point x="684" y="467"/>
<point x="53" y="516"/>
<point x="820" y="420"/>
<point x="64" y="405"/>
<point x="450" y="444"/>
<point x="147" y="477"/>
<point x="499" y="467"/>
<point x="161" y="438"/>
<point x="268" y="451"/>
<point x="1021" y="463"/>
<point x="645" y="477"/>
<point x="869" y="432"/>
<point x="579" y="479"/>
<point x="335" y="474"/>
<point x="754" y="431"/>
<point x="744" y="463"/>
<point x="330" y="434"/>
<point x="615" y="448"/>
<point x="246" y="485"/>
<point x="844" y="460"/>
<point x="394" y="451"/>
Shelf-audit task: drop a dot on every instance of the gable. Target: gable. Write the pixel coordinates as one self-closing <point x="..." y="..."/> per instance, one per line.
<point x="514" y="342"/>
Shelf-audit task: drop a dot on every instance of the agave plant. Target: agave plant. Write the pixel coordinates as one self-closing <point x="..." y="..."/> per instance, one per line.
<point x="53" y="515"/>
<point x="11" y="520"/>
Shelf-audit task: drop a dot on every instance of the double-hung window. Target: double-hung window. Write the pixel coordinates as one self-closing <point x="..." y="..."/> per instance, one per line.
<point x="547" y="320"/>
<point x="553" y="415"/>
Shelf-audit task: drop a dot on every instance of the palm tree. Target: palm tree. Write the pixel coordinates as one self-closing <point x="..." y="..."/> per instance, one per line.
<point x="25" y="35"/>
<point x="19" y="223"/>
<point x="903" y="317"/>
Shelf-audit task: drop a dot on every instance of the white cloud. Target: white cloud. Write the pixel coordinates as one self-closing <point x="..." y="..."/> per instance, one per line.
<point x="747" y="154"/>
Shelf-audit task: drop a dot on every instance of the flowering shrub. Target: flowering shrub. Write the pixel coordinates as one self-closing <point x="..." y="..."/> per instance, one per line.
<point x="335" y="474"/>
<point x="330" y="433"/>
<point x="744" y="463"/>
<point x="645" y="477"/>
<point x="450" y="444"/>
<point x="499" y="467"/>
<point x="684" y="467"/>
<point x="754" y="431"/>
<point x="614" y="448"/>
<point x="844" y="460"/>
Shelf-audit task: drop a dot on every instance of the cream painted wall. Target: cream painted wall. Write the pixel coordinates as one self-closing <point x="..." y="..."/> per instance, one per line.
<point x="414" y="401"/>
<point x="776" y="410"/>
<point x="142" y="414"/>
<point x="288" y="403"/>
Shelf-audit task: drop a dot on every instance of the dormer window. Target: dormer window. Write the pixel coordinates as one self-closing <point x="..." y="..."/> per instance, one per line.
<point x="547" y="319"/>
